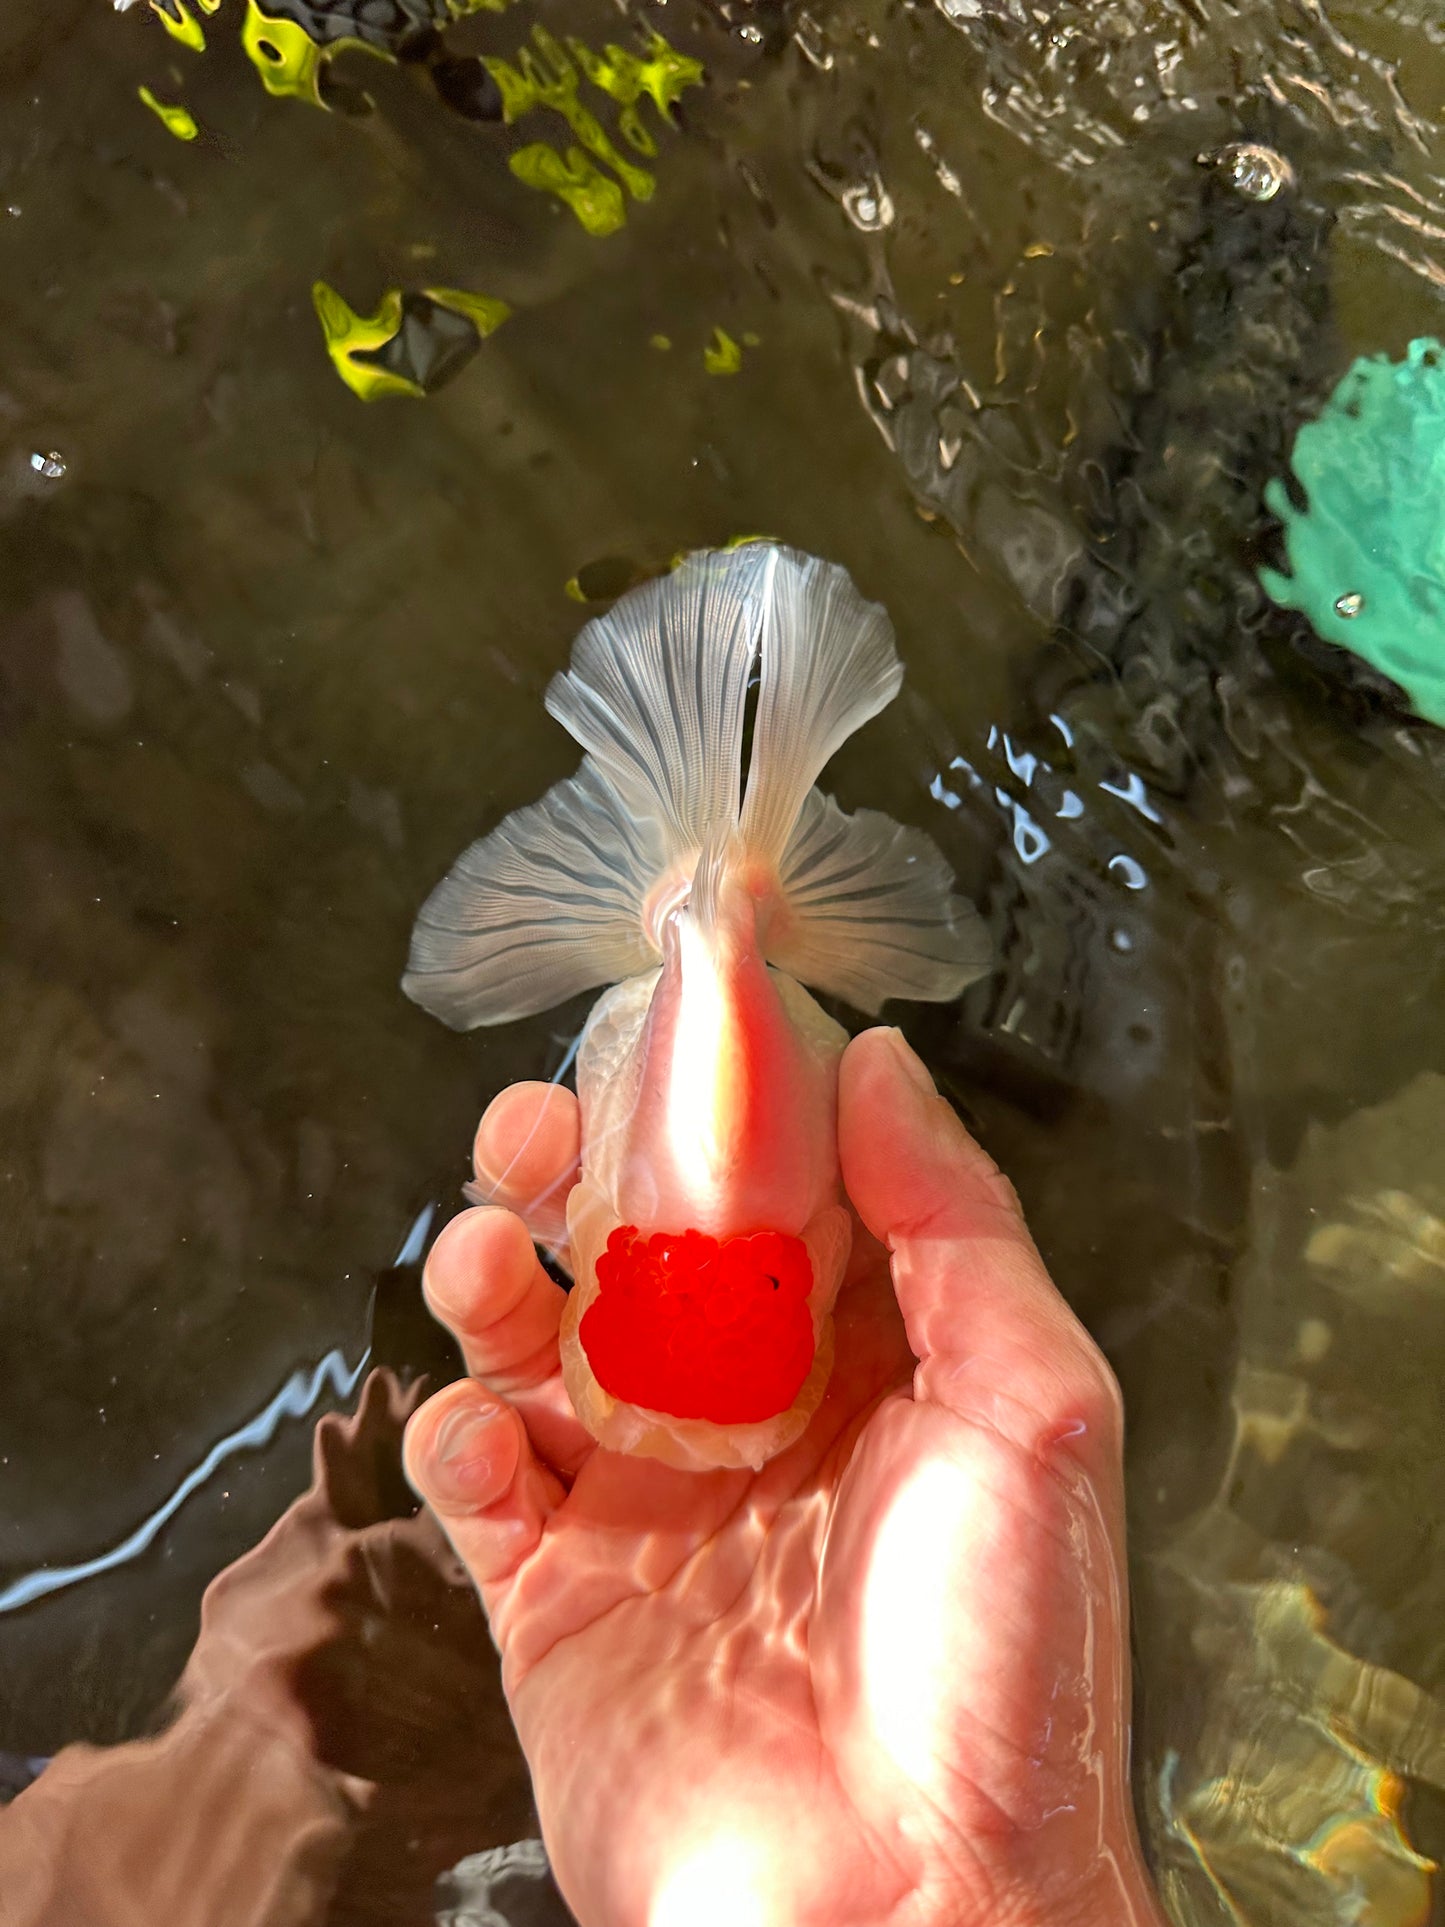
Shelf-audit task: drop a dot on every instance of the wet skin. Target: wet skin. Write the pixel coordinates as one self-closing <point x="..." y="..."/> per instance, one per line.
<point x="885" y="1679"/>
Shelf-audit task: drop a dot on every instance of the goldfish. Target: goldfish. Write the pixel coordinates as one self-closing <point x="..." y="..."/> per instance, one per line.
<point x="708" y="1231"/>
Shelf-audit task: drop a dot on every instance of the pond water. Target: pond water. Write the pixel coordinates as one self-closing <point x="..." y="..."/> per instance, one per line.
<point x="1014" y="309"/>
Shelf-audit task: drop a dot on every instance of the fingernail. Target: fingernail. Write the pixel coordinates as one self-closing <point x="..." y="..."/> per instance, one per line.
<point x="911" y="1064"/>
<point x="459" y="1440"/>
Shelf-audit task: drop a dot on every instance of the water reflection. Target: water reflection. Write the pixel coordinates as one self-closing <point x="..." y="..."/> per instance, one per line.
<point x="297" y="1397"/>
<point x="1311" y="1827"/>
<point x="335" y="1744"/>
<point x="1040" y="297"/>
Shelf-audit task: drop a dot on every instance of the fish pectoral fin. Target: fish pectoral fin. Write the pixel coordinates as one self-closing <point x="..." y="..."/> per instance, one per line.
<point x="548" y="905"/>
<point x="871" y="913"/>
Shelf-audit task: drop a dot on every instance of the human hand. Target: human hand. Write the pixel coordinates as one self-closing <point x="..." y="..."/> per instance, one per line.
<point x="884" y="1680"/>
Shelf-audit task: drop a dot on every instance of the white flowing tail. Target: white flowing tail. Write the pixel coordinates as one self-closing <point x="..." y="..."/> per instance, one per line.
<point x="553" y="901"/>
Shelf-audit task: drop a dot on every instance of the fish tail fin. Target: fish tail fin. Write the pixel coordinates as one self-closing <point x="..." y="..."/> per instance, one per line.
<point x="869" y="910"/>
<point x="551" y="903"/>
<point x="828" y="665"/>
<point x="554" y="900"/>
<point x="657" y="687"/>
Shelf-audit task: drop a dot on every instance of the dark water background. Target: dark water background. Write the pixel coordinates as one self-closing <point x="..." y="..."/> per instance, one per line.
<point x="1027" y="349"/>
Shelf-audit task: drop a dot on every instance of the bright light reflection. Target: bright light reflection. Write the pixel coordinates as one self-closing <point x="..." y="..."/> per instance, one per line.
<point x="1133" y="792"/>
<point x="720" y="1885"/>
<point x="294" y="1400"/>
<point x="700" y="1090"/>
<point x="913" y="1635"/>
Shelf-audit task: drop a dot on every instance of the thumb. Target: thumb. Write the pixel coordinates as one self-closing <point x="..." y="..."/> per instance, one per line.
<point x="995" y="1342"/>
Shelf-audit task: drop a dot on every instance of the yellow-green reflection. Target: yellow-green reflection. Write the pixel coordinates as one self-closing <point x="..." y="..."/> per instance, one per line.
<point x="592" y="177"/>
<point x="287" y="58"/>
<point x="484" y="311"/>
<point x="545" y="76"/>
<point x="576" y="181"/>
<point x="176" y="120"/>
<point x="610" y="576"/>
<point x="350" y="336"/>
<point x="549" y="74"/>
<point x="724" y="356"/>
<point x="661" y="74"/>
<point x="180" y="24"/>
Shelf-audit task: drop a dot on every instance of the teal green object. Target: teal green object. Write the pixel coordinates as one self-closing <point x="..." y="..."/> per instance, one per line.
<point x="1367" y="556"/>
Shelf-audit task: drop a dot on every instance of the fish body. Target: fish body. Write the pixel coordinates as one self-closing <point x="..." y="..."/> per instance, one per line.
<point x="708" y="1231"/>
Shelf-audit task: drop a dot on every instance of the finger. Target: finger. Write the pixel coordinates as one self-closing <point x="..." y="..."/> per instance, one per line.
<point x="484" y="1283"/>
<point x="467" y="1455"/>
<point x="994" y="1340"/>
<point x="526" y="1155"/>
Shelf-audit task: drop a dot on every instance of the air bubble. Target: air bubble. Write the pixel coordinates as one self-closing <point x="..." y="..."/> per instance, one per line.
<point x="1255" y="171"/>
<point x="868" y="206"/>
<point x="1349" y="604"/>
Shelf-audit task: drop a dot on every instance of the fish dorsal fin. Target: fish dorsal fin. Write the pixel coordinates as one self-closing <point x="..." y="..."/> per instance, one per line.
<point x="657" y="687"/>
<point x="828" y="664"/>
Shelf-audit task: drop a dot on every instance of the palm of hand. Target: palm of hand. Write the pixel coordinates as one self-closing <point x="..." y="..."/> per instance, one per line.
<point x="879" y="1681"/>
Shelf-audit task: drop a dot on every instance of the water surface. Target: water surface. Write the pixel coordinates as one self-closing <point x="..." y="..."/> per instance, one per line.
<point x="1007" y="331"/>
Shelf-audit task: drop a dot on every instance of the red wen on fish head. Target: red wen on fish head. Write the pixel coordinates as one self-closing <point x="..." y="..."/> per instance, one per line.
<point x="698" y="1328"/>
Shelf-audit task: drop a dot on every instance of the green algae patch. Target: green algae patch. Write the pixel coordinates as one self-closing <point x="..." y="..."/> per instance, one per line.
<point x="176" y="120"/>
<point x="1366" y="554"/>
<point x="412" y="344"/>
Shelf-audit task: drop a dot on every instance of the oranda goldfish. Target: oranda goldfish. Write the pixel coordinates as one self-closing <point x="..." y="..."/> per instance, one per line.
<point x="708" y="1231"/>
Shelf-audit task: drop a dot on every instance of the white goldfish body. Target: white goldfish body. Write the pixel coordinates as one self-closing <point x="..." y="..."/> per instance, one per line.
<point x="709" y="1199"/>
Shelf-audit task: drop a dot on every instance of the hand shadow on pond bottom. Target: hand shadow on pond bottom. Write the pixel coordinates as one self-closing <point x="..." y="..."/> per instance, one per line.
<point x="337" y="1742"/>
